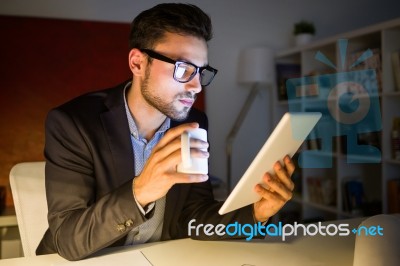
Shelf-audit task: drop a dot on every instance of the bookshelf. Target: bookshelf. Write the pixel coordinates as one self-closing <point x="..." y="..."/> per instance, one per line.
<point x="343" y="179"/>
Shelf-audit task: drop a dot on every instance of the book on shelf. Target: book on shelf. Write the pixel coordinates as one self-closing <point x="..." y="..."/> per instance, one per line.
<point x="393" y="195"/>
<point x="373" y="62"/>
<point x="395" y="138"/>
<point x="395" y="57"/>
<point x="285" y="71"/>
<point x="322" y="190"/>
<point x="313" y="143"/>
<point x="372" y="139"/>
<point x="353" y="195"/>
<point x="325" y="129"/>
<point x="318" y="133"/>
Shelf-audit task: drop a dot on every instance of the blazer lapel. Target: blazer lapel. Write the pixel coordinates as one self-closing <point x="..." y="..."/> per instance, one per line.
<point x="116" y="126"/>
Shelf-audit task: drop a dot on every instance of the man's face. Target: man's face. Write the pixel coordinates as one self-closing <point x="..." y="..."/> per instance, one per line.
<point x="160" y="90"/>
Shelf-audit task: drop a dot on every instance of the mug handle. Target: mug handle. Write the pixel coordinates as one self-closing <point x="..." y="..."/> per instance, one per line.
<point x="185" y="150"/>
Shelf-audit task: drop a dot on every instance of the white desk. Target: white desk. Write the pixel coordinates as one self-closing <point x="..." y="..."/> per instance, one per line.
<point x="307" y="251"/>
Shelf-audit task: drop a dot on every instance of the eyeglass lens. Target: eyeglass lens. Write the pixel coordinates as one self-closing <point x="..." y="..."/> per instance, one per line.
<point x="185" y="72"/>
<point x="206" y="77"/>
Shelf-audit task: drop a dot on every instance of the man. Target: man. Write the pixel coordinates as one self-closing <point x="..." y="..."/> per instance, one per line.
<point x="111" y="156"/>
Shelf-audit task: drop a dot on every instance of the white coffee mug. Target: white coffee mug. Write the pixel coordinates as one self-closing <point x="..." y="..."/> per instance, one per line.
<point x="191" y="165"/>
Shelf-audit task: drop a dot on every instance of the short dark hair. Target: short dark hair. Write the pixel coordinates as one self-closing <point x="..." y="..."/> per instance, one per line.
<point x="149" y="26"/>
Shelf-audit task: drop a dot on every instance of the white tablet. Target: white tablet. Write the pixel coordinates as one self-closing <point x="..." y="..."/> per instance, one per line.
<point x="286" y="139"/>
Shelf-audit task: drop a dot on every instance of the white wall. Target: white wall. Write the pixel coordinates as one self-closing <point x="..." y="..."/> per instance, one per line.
<point x="237" y="24"/>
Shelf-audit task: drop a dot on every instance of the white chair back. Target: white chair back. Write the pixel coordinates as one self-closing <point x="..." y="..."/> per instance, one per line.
<point x="28" y="191"/>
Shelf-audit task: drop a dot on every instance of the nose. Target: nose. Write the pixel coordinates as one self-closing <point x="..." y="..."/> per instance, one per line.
<point x="194" y="85"/>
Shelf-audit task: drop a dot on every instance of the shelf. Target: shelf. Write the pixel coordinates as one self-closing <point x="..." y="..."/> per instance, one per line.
<point x="373" y="171"/>
<point x="348" y="35"/>
<point x="391" y="94"/>
<point x="322" y="153"/>
<point x="392" y="161"/>
<point x="361" y="158"/>
<point x="333" y="99"/>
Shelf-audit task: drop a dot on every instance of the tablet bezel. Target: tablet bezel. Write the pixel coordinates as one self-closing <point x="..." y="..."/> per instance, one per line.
<point x="280" y="143"/>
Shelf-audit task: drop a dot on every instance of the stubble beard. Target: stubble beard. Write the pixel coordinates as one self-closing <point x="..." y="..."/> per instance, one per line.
<point x="166" y="108"/>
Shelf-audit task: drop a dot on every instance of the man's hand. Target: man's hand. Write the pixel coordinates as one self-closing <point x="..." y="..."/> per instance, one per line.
<point x="159" y="173"/>
<point x="277" y="190"/>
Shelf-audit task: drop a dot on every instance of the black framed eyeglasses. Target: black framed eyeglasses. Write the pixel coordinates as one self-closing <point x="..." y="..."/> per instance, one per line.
<point x="185" y="71"/>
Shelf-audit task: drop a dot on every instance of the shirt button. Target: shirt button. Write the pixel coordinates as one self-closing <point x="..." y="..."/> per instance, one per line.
<point x="121" y="228"/>
<point x="129" y="223"/>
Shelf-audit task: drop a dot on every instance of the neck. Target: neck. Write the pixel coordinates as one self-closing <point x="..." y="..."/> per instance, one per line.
<point x="147" y="118"/>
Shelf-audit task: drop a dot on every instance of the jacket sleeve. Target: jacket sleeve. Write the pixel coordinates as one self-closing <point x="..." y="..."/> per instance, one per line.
<point x="203" y="209"/>
<point x="81" y="222"/>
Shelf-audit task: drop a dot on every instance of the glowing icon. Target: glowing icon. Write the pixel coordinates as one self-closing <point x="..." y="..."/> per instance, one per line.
<point x="349" y="102"/>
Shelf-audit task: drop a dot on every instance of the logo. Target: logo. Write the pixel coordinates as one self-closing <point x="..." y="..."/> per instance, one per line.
<point x="349" y="102"/>
<point x="258" y="230"/>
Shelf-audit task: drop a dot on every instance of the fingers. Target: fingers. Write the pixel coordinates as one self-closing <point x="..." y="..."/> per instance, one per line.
<point x="269" y="195"/>
<point x="276" y="190"/>
<point x="172" y="140"/>
<point x="284" y="173"/>
<point x="171" y="151"/>
<point x="290" y="167"/>
<point x="281" y="183"/>
<point x="277" y="187"/>
<point x="198" y="144"/>
<point x="169" y="162"/>
<point x="171" y="144"/>
<point x="175" y="133"/>
<point x="180" y="178"/>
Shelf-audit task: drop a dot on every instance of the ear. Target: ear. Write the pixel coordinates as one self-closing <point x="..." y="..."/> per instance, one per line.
<point x="137" y="62"/>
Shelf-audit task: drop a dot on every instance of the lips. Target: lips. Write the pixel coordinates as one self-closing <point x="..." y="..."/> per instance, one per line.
<point x="186" y="102"/>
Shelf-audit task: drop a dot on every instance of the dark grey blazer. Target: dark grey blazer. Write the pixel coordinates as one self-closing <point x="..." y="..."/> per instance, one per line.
<point x="89" y="173"/>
